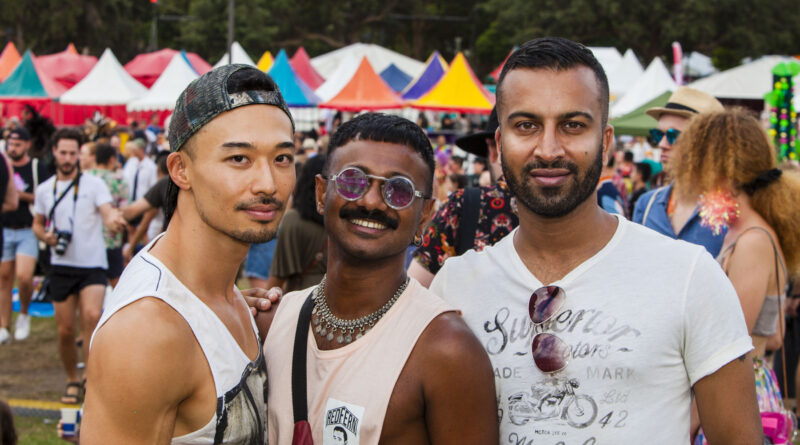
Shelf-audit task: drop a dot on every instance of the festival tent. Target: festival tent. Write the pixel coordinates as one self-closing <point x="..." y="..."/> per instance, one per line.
<point x="336" y="81"/>
<point x="379" y="57"/>
<point x="458" y="90"/>
<point x="147" y="67"/>
<point x="435" y="67"/>
<point x="609" y="57"/>
<point x="67" y="67"/>
<point x="495" y="74"/>
<point x="9" y="59"/>
<point x="624" y="75"/>
<point x="239" y="56"/>
<point x="637" y="122"/>
<point x="265" y="62"/>
<point x="655" y="80"/>
<point x="165" y="91"/>
<point x="295" y="91"/>
<point x="749" y="81"/>
<point x="396" y="78"/>
<point x="698" y="65"/>
<point x="301" y="64"/>
<point x="366" y="90"/>
<point x="29" y="85"/>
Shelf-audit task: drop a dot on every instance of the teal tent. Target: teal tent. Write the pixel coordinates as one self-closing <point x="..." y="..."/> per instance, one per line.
<point x="294" y="89"/>
<point x="27" y="81"/>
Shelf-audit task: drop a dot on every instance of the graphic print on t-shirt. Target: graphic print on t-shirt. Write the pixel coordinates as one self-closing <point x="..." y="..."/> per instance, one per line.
<point x="342" y="423"/>
<point x="241" y="412"/>
<point x="588" y="395"/>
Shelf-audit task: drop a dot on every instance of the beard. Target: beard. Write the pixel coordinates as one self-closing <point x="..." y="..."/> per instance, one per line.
<point x="67" y="169"/>
<point x="265" y="233"/>
<point x="554" y="202"/>
<point x="15" y="156"/>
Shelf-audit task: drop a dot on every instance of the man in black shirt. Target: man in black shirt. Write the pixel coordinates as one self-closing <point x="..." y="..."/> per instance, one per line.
<point x="20" y="246"/>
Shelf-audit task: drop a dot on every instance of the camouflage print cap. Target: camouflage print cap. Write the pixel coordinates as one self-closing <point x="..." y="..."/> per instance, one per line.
<point x="207" y="97"/>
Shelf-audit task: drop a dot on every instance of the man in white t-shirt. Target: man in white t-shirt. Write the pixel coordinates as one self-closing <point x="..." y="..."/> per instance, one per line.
<point x="70" y="210"/>
<point x="599" y="330"/>
<point x="140" y="171"/>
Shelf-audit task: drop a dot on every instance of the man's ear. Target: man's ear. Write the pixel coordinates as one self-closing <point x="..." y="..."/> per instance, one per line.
<point x="608" y="139"/>
<point x="320" y="188"/>
<point x="497" y="153"/>
<point x="428" y="210"/>
<point x="177" y="167"/>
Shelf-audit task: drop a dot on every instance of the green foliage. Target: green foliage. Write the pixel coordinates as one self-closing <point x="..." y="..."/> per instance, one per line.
<point x="728" y="30"/>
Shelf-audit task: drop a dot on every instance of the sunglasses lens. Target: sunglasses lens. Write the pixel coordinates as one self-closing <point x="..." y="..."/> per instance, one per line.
<point x="351" y="183"/>
<point x="545" y="302"/>
<point x="672" y="135"/>
<point x="550" y="353"/>
<point x="399" y="192"/>
<point x="655" y="136"/>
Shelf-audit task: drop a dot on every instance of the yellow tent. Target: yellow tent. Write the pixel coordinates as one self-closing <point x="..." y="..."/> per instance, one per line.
<point x="265" y="62"/>
<point x="458" y="90"/>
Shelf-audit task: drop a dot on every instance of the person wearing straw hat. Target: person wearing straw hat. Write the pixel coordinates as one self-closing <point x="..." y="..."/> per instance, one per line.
<point x="660" y="209"/>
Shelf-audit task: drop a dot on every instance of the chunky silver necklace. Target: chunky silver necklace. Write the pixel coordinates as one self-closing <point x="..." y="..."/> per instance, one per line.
<point x="326" y="324"/>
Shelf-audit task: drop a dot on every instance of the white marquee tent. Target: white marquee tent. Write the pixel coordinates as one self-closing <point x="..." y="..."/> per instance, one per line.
<point x="169" y="85"/>
<point x="106" y="84"/>
<point x="379" y="57"/>
<point x="239" y="56"/>
<point x="698" y="65"/>
<point x="749" y="81"/>
<point x="654" y="82"/>
<point x="338" y="78"/>
<point x="625" y="75"/>
<point x="609" y="57"/>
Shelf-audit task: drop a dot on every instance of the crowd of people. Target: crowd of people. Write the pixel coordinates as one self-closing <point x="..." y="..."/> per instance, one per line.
<point x="517" y="284"/>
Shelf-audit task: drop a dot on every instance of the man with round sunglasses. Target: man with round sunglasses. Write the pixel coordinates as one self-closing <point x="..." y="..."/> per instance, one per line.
<point x="599" y="330"/>
<point x="660" y="209"/>
<point x="387" y="361"/>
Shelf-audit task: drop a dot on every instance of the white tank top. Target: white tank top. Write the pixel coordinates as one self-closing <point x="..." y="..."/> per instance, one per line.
<point x="241" y="385"/>
<point x="349" y="388"/>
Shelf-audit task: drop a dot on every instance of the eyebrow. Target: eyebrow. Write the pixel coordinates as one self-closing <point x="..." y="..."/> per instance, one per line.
<point x="529" y="115"/>
<point x="233" y="145"/>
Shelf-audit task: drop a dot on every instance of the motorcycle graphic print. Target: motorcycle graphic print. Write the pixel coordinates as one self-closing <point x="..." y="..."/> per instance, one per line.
<point x="553" y="398"/>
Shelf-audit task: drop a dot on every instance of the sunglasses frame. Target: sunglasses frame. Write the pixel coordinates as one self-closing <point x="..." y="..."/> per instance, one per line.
<point x="415" y="193"/>
<point x="545" y="337"/>
<point x="671" y="131"/>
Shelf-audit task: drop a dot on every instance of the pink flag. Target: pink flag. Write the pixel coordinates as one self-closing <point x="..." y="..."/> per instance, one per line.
<point x="677" y="68"/>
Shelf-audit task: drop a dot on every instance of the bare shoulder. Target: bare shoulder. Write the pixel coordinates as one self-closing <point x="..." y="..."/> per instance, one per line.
<point x="753" y="248"/>
<point x="145" y="340"/>
<point x="448" y="337"/>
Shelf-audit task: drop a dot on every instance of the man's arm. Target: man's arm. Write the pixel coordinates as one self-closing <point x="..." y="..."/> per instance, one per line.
<point x="112" y="218"/>
<point x="726" y="401"/>
<point x="458" y="385"/>
<point x="39" y="230"/>
<point x="11" y="200"/>
<point x="137" y="382"/>
<point x="136" y="208"/>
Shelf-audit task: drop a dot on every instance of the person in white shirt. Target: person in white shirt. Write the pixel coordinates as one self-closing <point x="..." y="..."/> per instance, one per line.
<point x="70" y="210"/>
<point x="140" y="171"/>
<point x="599" y="330"/>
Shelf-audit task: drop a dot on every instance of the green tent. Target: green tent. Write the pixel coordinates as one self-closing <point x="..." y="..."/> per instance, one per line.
<point x="637" y="122"/>
<point x="24" y="81"/>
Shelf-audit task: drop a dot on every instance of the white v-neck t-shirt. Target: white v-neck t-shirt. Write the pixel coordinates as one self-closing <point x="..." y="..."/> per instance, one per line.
<point x="645" y="318"/>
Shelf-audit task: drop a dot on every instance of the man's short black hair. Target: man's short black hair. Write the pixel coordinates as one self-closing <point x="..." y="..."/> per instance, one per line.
<point x="644" y="170"/>
<point x="379" y="127"/>
<point x="341" y="430"/>
<point x="557" y="54"/>
<point x="161" y="162"/>
<point x="67" y="133"/>
<point x="305" y="198"/>
<point x="628" y="156"/>
<point x="104" y="153"/>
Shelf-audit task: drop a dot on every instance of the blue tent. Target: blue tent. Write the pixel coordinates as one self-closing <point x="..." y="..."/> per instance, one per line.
<point x="435" y="68"/>
<point x="396" y="78"/>
<point x="295" y="91"/>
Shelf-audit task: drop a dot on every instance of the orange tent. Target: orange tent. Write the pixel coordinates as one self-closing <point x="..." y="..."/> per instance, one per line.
<point x="366" y="90"/>
<point x="71" y="49"/>
<point x="9" y="59"/>
<point x="458" y="90"/>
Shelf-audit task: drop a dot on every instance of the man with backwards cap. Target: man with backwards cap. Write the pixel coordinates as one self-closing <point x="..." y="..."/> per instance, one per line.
<point x="176" y="356"/>
<point x="660" y="209"/>
<point x="472" y="218"/>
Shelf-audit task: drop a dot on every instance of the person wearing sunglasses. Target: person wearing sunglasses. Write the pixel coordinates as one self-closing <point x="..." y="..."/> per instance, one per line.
<point x="660" y="209"/>
<point x="387" y="360"/>
<point x="599" y="330"/>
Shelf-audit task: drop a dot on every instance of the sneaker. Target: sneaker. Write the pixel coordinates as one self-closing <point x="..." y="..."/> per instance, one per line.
<point x="5" y="336"/>
<point x="22" y="327"/>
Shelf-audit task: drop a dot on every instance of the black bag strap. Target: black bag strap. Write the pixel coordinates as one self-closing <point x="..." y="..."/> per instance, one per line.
<point x="470" y="212"/>
<point x="299" y="387"/>
<point x="74" y="183"/>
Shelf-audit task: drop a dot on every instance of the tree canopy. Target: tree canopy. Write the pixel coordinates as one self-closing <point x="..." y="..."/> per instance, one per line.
<point x="727" y="30"/>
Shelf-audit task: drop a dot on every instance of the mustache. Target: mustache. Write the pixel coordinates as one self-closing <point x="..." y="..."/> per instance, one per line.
<point x="558" y="163"/>
<point x="262" y="200"/>
<point x="373" y="215"/>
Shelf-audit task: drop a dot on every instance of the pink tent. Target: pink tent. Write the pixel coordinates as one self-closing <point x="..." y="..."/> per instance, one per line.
<point x="147" y="67"/>
<point x="67" y="67"/>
